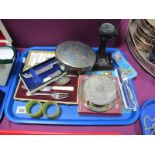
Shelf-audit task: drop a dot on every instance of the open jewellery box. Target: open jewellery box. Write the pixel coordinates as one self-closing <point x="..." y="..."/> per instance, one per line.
<point x="9" y="58"/>
<point x="41" y="75"/>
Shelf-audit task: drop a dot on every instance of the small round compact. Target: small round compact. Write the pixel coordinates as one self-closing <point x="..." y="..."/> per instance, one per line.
<point x="98" y="93"/>
<point x="75" y="57"/>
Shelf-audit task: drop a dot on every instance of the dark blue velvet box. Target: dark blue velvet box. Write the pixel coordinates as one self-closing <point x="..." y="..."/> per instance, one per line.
<point x="36" y="82"/>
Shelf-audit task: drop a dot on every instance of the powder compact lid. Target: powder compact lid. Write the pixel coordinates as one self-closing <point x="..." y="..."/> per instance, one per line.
<point x="99" y="91"/>
<point x="75" y="54"/>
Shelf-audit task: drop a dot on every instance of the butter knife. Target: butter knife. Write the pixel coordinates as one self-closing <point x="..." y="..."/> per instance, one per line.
<point x="48" y="88"/>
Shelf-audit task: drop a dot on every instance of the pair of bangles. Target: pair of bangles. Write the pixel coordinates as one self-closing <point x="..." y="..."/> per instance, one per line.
<point x="42" y="110"/>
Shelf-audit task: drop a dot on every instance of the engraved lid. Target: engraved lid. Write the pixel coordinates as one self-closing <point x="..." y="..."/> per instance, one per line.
<point x="99" y="90"/>
<point x="75" y="54"/>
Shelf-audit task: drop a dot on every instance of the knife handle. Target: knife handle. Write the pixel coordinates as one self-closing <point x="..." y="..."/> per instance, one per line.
<point x="67" y="88"/>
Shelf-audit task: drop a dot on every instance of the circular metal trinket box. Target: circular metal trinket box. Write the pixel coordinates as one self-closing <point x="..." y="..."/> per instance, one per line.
<point x="98" y="93"/>
<point x="75" y="57"/>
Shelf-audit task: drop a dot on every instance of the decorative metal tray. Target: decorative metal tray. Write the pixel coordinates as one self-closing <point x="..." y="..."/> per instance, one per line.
<point x="140" y="56"/>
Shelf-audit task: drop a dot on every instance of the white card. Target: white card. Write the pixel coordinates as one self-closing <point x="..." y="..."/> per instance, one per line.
<point x="21" y="110"/>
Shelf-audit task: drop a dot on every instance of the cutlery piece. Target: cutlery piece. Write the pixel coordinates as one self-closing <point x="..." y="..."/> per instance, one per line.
<point x="56" y="96"/>
<point x="48" y="88"/>
<point x="63" y="81"/>
<point x="66" y="88"/>
<point x="51" y="76"/>
<point x="40" y="71"/>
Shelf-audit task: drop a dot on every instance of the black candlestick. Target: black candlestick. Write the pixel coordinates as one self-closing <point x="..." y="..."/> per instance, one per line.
<point x="107" y="31"/>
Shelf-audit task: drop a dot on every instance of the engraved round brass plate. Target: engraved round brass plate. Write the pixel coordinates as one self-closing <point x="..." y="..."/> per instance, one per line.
<point x="99" y="93"/>
<point x="143" y="34"/>
<point x="75" y="54"/>
<point x="138" y="47"/>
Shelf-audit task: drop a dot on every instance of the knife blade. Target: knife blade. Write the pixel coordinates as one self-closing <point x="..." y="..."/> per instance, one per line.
<point x="40" y="71"/>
